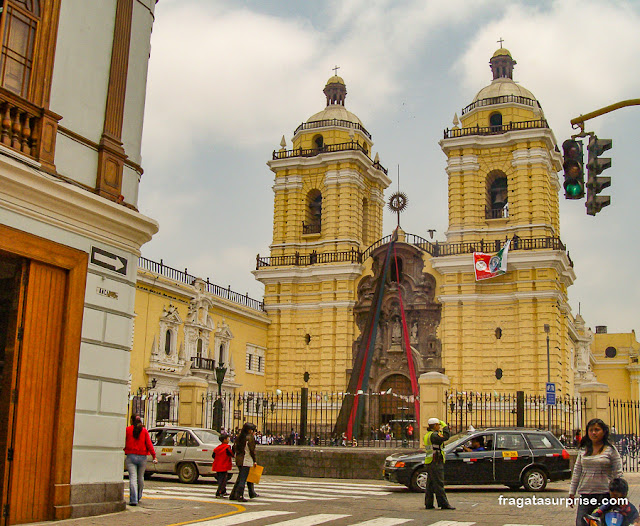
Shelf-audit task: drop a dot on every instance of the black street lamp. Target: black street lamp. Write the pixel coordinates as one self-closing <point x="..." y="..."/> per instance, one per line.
<point x="221" y="370"/>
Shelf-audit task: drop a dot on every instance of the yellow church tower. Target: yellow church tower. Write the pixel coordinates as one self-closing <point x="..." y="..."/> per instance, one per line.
<point x="328" y="203"/>
<point x="502" y="164"/>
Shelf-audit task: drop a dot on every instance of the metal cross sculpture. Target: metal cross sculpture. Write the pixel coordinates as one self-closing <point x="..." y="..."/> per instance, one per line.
<point x="500" y="41"/>
<point x="335" y="70"/>
<point x="398" y="203"/>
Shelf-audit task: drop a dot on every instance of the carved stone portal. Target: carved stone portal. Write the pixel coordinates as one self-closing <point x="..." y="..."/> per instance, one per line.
<point x="422" y="313"/>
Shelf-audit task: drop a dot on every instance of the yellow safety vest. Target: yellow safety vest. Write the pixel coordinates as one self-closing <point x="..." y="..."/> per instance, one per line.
<point x="430" y="448"/>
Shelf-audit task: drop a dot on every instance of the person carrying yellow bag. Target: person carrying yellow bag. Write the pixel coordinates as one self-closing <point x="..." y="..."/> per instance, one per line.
<point x="437" y="434"/>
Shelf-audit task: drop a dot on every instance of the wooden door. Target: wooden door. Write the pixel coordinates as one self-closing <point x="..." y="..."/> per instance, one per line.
<point x="34" y="426"/>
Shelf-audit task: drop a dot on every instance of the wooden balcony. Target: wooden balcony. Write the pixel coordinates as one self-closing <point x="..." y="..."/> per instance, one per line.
<point x="28" y="129"/>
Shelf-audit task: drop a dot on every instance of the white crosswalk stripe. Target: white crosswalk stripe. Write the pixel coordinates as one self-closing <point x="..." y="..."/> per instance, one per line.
<point x="452" y="523"/>
<point x="382" y="521"/>
<point x="308" y="520"/>
<point x="281" y="491"/>
<point x="242" y="518"/>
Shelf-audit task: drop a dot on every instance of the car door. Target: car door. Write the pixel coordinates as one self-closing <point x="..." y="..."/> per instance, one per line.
<point x="464" y="467"/>
<point x="198" y="454"/>
<point x="155" y="435"/>
<point x="171" y="450"/>
<point x="512" y="455"/>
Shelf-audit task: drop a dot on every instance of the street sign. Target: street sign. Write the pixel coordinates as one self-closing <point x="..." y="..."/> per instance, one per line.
<point x="110" y="261"/>
<point x="551" y="393"/>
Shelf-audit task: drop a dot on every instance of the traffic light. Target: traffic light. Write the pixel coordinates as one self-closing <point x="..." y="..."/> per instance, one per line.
<point x="573" y="169"/>
<point x="596" y="166"/>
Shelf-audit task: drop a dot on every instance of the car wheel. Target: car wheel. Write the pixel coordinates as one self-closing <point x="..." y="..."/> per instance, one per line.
<point x="419" y="479"/>
<point x="535" y="479"/>
<point x="188" y="473"/>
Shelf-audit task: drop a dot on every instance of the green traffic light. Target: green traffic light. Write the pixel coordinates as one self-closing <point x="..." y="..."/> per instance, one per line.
<point x="574" y="189"/>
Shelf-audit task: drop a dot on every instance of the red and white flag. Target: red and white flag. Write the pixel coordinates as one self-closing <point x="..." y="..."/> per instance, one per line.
<point x="491" y="265"/>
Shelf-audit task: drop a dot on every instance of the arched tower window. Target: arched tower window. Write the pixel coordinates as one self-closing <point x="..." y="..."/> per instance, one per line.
<point x="495" y="121"/>
<point x="318" y="142"/>
<point x="20" y="20"/>
<point x="167" y="342"/>
<point x="221" y="356"/>
<point x="313" y="222"/>
<point x="497" y="195"/>
<point x="199" y="348"/>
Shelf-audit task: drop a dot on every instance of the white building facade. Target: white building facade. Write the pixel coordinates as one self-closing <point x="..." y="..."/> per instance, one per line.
<point x="72" y="98"/>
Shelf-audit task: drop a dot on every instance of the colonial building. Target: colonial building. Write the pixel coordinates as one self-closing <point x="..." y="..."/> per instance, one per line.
<point x="72" y="91"/>
<point x="615" y="362"/>
<point x="189" y="329"/>
<point x="502" y="164"/>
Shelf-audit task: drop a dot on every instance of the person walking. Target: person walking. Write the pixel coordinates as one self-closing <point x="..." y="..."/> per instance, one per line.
<point x="436" y="435"/>
<point x="598" y="463"/>
<point x="222" y="464"/>
<point x="137" y="446"/>
<point x="245" y="450"/>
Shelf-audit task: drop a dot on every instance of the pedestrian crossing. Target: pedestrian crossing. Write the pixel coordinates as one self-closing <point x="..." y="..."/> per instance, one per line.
<point x="277" y="492"/>
<point x="291" y="518"/>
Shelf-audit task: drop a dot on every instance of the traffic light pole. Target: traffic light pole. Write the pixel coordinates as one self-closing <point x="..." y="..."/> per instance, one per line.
<point x="579" y="121"/>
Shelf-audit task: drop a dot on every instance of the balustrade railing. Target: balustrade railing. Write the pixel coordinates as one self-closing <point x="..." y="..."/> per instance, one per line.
<point x="27" y="128"/>
<point x="331" y="122"/>
<point x="503" y="99"/>
<point x="200" y="362"/>
<point x="434" y="249"/>
<point x="492" y="130"/>
<point x="327" y="148"/>
<point x="496" y="213"/>
<point x="212" y="288"/>
<point x="311" y="228"/>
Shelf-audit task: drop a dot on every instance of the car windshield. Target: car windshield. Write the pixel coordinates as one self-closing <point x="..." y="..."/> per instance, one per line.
<point x="457" y="440"/>
<point x="208" y="436"/>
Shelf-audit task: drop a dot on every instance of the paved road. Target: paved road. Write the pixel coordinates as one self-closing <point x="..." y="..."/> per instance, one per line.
<point x="287" y="501"/>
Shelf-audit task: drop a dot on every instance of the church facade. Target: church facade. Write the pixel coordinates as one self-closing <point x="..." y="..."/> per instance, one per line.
<point x="328" y="252"/>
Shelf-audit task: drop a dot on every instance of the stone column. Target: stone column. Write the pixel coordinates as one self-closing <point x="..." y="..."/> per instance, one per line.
<point x="192" y="390"/>
<point x="597" y="396"/>
<point x="432" y="398"/>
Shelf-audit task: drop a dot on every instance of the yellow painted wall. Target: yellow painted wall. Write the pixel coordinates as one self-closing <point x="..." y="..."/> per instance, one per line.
<point x="622" y="372"/>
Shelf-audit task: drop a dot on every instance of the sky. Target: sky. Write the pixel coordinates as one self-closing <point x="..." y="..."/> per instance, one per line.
<point x="227" y="79"/>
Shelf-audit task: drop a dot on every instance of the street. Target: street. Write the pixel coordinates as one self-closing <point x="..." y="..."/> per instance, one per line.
<point x="289" y="501"/>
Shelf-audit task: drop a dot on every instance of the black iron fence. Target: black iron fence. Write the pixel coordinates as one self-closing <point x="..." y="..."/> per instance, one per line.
<point x="299" y="418"/>
<point x="481" y="410"/>
<point x="624" y="422"/>
<point x="496" y="129"/>
<point x="184" y="277"/>
<point x="156" y="409"/>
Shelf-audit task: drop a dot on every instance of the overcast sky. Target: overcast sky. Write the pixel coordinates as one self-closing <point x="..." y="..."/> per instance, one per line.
<point x="227" y="79"/>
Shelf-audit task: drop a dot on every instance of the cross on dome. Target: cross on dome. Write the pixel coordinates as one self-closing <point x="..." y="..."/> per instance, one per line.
<point x="500" y="41"/>
<point x="335" y="70"/>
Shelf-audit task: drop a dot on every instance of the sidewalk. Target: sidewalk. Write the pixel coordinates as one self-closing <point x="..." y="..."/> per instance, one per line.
<point x="157" y="511"/>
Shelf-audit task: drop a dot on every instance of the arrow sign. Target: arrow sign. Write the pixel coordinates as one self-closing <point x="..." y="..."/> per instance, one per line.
<point x="110" y="261"/>
<point x="551" y="393"/>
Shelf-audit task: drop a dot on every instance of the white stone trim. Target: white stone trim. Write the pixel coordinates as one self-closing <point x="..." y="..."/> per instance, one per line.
<point x="52" y="201"/>
<point x="287" y="182"/>
<point x="340" y="177"/>
<point x="551" y="159"/>
<point x="311" y="274"/>
<point x="462" y="163"/>
<point x="310" y="306"/>
<point x="497" y="298"/>
<point x="506" y="228"/>
<point x="305" y="245"/>
<point x="502" y="139"/>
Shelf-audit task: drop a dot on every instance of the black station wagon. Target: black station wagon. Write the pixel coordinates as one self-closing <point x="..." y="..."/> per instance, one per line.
<point x="513" y="457"/>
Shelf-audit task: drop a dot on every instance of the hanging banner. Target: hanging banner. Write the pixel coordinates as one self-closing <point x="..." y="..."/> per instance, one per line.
<point x="491" y="265"/>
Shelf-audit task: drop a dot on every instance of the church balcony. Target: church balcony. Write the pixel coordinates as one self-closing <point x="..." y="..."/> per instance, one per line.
<point x="311" y="228"/>
<point x="495" y="130"/>
<point x="496" y="213"/>
<point x="435" y="249"/>
<point x="331" y="122"/>
<point x="327" y="148"/>
<point x="503" y="99"/>
<point x="205" y="364"/>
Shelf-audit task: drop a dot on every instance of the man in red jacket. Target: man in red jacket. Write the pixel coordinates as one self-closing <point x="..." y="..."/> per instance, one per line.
<point x="222" y="464"/>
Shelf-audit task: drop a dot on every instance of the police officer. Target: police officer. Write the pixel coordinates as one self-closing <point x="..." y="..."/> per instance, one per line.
<point x="437" y="434"/>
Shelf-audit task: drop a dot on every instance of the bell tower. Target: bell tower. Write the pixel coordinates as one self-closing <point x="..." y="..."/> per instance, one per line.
<point x="328" y="204"/>
<point x="502" y="164"/>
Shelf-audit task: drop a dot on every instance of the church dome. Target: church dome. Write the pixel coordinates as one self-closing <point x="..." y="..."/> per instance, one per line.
<point x="503" y="86"/>
<point x="336" y="93"/>
<point x="502" y="64"/>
